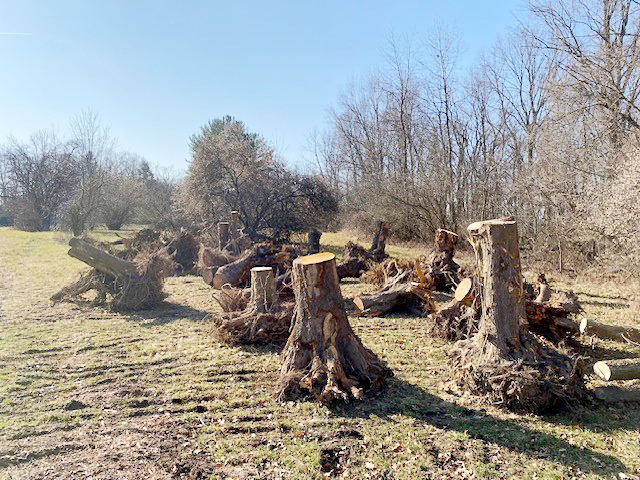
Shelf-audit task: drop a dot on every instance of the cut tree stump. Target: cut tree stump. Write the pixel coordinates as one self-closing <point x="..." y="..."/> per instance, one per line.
<point x="379" y="242"/>
<point x="313" y="237"/>
<point x="442" y="268"/>
<point x="503" y="362"/>
<point x="234" y="226"/>
<point x="609" y="332"/>
<point x="323" y="356"/>
<point x="622" y="369"/>
<point x="264" y="320"/>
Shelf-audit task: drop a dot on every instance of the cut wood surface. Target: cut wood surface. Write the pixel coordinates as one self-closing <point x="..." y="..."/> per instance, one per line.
<point x="620" y="333"/>
<point x="621" y="369"/>
<point x="464" y="293"/>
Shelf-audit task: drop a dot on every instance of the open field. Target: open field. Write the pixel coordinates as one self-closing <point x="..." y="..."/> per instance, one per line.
<point x="87" y="393"/>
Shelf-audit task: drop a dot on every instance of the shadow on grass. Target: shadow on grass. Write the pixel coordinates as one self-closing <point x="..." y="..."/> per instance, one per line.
<point x="165" y="313"/>
<point x="597" y="303"/>
<point x="403" y="398"/>
<point x="597" y="352"/>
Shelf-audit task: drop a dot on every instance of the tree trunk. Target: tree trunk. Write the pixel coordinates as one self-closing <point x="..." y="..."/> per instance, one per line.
<point x="223" y="235"/>
<point x="314" y="241"/>
<point x="622" y="369"/>
<point x="101" y="261"/>
<point x="235" y="232"/>
<point x="412" y="296"/>
<point x="263" y="289"/>
<point x="379" y="241"/>
<point x="442" y="268"/>
<point x="503" y="362"/>
<point x="619" y="333"/>
<point x="323" y="355"/>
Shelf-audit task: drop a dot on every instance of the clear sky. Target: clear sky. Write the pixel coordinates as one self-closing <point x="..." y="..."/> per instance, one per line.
<point x="155" y="70"/>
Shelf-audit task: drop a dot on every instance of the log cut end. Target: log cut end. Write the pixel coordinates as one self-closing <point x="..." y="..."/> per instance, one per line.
<point x="315" y="258"/>
<point x="602" y="370"/>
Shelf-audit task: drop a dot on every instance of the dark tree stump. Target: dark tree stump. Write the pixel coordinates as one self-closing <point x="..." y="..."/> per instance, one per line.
<point x="378" y="244"/>
<point x="503" y="362"/>
<point x="314" y="241"/>
<point x="442" y="268"/>
<point x="323" y="356"/>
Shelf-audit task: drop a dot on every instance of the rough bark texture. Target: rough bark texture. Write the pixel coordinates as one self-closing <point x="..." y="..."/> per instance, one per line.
<point x="413" y="297"/>
<point x="260" y="319"/>
<point x="323" y="356"/>
<point x="458" y="319"/>
<point x="503" y="362"/>
<point x="622" y="369"/>
<point x="223" y="235"/>
<point x="237" y="273"/>
<point x="379" y="242"/>
<point x="442" y="268"/>
<point x="314" y="241"/>
<point x="620" y="333"/>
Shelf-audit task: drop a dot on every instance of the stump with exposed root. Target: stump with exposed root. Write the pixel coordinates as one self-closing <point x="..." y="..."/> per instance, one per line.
<point x="323" y="356"/>
<point x="503" y="362"/>
<point x="264" y="320"/>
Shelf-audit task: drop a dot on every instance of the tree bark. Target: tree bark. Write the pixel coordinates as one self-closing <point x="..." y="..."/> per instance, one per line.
<point x="223" y="235"/>
<point x="409" y="296"/>
<point x="263" y="289"/>
<point x="503" y="362"/>
<point x="235" y="232"/>
<point x="442" y="268"/>
<point x="323" y="355"/>
<point x="379" y="241"/>
<point x="101" y="261"/>
<point x="619" y="333"/>
<point x="622" y="369"/>
<point x="314" y="240"/>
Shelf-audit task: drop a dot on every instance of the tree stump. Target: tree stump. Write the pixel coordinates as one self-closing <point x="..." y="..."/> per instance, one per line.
<point x="235" y="232"/>
<point x="378" y="244"/>
<point x="442" y="268"/>
<point x="503" y="362"/>
<point x="223" y="235"/>
<point x="314" y="240"/>
<point x="263" y="321"/>
<point x="323" y="356"/>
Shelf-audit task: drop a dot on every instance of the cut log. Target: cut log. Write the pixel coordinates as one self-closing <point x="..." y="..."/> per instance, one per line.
<point x="465" y="293"/>
<point x="503" y="362"/>
<point x="238" y="272"/>
<point x="610" y="394"/>
<point x="223" y="235"/>
<point x="314" y="240"/>
<point x="323" y="356"/>
<point x="619" y="333"/>
<point x="622" y="369"/>
<point x="412" y="296"/>
<point x="263" y="289"/>
<point x="379" y="241"/>
<point x="100" y="260"/>
<point x="442" y="268"/>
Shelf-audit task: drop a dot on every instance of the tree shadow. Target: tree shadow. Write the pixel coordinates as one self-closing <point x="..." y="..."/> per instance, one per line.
<point x="403" y="398"/>
<point x="165" y="313"/>
<point x="597" y="303"/>
<point x="597" y="352"/>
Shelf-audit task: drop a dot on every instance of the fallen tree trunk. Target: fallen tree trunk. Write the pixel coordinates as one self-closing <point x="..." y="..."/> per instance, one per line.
<point x="503" y="362"/>
<point x="412" y="296"/>
<point x="610" y="394"/>
<point x="622" y="369"/>
<point x="619" y="333"/>
<point x="132" y="286"/>
<point x="323" y="356"/>
<point x="551" y="322"/>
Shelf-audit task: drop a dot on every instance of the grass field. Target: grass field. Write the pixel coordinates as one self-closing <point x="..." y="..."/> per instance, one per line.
<point x="87" y="393"/>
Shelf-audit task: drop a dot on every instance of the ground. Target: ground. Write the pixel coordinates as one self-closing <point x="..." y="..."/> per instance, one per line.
<point x="86" y="393"/>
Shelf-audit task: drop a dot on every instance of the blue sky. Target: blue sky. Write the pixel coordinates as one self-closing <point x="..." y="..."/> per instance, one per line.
<point x="155" y="71"/>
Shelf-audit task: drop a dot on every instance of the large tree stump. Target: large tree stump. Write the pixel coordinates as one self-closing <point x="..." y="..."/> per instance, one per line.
<point x="442" y="268"/>
<point x="323" y="356"/>
<point x="263" y="289"/>
<point x="503" y="362"/>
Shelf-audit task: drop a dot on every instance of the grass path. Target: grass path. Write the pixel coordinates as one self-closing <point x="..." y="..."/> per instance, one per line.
<point x="87" y="393"/>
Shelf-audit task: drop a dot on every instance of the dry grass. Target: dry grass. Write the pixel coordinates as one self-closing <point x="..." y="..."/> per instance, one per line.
<point x="88" y="393"/>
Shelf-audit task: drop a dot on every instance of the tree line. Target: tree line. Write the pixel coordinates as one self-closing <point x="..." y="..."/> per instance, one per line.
<point x="544" y="127"/>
